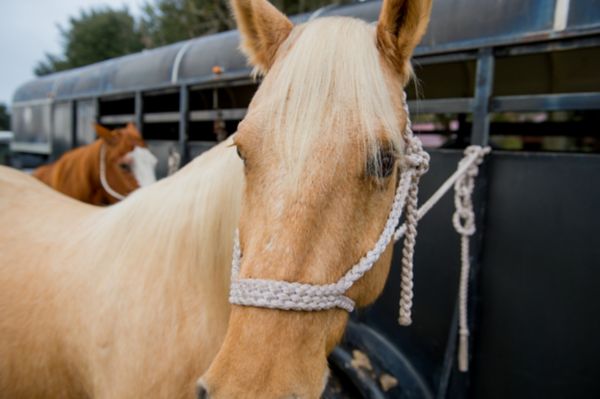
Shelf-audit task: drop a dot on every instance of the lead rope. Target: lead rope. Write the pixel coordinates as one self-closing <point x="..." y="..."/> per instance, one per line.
<point x="463" y="221"/>
<point x="103" y="180"/>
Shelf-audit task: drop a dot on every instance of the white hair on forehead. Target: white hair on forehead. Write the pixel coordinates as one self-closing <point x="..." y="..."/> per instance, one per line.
<point x="143" y="165"/>
<point x="329" y="84"/>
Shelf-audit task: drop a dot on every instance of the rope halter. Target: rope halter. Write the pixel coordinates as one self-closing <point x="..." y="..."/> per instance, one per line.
<point x="103" y="180"/>
<point x="283" y="295"/>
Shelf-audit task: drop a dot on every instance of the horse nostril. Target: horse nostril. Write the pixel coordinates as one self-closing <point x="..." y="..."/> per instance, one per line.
<point x="201" y="392"/>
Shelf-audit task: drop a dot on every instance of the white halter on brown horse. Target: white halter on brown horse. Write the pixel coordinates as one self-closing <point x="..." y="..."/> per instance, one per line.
<point x="131" y="301"/>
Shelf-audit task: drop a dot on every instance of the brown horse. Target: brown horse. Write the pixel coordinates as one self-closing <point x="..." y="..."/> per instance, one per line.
<point x="131" y="301"/>
<point x="105" y="171"/>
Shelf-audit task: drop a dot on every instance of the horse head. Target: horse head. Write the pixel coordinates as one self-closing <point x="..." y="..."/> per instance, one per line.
<point x="322" y="146"/>
<point x="125" y="162"/>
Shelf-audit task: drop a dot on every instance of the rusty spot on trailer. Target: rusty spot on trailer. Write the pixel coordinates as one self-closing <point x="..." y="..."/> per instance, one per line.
<point x="387" y="382"/>
<point x="361" y="361"/>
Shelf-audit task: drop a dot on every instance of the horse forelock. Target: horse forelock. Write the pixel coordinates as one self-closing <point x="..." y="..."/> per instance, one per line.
<point x="329" y="85"/>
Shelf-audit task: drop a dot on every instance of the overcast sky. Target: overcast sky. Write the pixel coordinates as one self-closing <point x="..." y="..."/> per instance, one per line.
<point x="28" y="30"/>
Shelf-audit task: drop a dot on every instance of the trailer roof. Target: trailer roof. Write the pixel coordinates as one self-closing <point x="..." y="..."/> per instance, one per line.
<point x="456" y="25"/>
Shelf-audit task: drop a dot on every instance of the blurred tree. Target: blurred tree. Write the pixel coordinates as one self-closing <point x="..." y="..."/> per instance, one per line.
<point x="168" y="21"/>
<point x="93" y="36"/>
<point x="4" y="117"/>
<point x="100" y="34"/>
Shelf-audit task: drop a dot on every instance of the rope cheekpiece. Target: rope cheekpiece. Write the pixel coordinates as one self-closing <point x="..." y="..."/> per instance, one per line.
<point x="103" y="180"/>
<point x="275" y="294"/>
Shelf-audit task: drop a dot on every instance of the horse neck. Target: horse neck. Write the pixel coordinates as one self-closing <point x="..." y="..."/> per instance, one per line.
<point x="78" y="172"/>
<point x="91" y="162"/>
<point x="179" y="231"/>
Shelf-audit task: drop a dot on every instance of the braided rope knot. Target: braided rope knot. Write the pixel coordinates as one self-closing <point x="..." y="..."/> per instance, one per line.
<point x="463" y="221"/>
<point x="418" y="161"/>
<point x="463" y="218"/>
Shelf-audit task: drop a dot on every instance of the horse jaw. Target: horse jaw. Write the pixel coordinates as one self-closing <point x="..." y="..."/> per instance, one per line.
<point x="283" y="355"/>
<point x="143" y="165"/>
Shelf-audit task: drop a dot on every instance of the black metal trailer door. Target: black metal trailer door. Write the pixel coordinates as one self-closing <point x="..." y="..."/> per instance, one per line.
<point x="535" y="301"/>
<point x="538" y="321"/>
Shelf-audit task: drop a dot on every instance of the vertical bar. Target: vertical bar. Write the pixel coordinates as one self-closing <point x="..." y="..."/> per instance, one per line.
<point x="453" y="382"/>
<point x="484" y="82"/>
<point x="139" y="111"/>
<point x="561" y="14"/>
<point x="184" y="110"/>
<point x="480" y="135"/>
<point x="51" y="135"/>
<point x="215" y="98"/>
<point x="73" y="106"/>
<point x="96" y="101"/>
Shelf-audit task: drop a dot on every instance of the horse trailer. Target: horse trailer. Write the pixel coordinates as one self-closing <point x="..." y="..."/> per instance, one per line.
<point x="519" y="76"/>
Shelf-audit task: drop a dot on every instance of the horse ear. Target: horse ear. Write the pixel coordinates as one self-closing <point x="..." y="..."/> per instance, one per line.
<point x="109" y="136"/>
<point x="262" y="28"/>
<point x="131" y="127"/>
<point x="401" y="26"/>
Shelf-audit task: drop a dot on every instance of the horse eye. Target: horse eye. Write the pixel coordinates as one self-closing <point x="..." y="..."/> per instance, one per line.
<point x="240" y="154"/>
<point x="125" y="167"/>
<point x="383" y="165"/>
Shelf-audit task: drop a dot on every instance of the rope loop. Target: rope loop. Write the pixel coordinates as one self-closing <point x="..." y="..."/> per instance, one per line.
<point x="463" y="218"/>
<point x="463" y="221"/>
<point x="103" y="179"/>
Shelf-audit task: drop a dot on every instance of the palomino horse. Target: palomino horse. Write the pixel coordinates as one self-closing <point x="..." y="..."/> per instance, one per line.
<point x="104" y="171"/>
<point x="131" y="301"/>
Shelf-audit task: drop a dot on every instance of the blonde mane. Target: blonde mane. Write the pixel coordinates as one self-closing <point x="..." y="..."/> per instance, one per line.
<point x="174" y="236"/>
<point x="160" y="247"/>
<point x="322" y="89"/>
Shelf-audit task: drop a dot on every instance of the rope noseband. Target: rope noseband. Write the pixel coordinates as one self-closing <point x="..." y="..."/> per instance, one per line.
<point x="103" y="180"/>
<point x="276" y="294"/>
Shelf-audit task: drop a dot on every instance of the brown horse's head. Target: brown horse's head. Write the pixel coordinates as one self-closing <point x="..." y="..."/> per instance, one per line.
<point x="321" y="145"/>
<point x="128" y="164"/>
